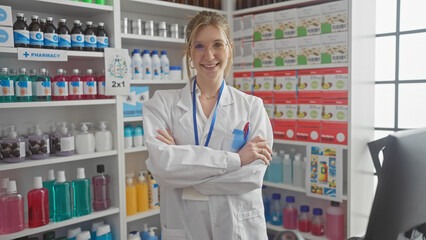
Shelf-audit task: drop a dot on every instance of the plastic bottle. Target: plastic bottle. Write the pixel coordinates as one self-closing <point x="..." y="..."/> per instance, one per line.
<point x="64" y="36"/>
<point x="145" y="232"/>
<point x="142" y="192"/>
<point x="3" y="191"/>
<point x="49" y="235"/>
<point x="89" y="85"/>
<point x="134" y="235"/>
<point x="39" y="144"/>
<point x="103" y="138"/>
<point x="60" y="86"/>
<point x="95" y="226"/>
<point x="85" y="235"/>
<point x="90" y="42"/>
<point x="7" y="86"/>
<point x="42" y="24"/>
<point x="147" y="66"/>
<point x="275" y="169"/>
<point x="77" y="37"/>
<point x="151" y="234"/>
<point x="81" y="194"/>
<point x="50" y="35"/>
<point x="128" y="137"/>
<point x="276" y="210"/>
<point x="298" y="172"/>
<point x="62" y="198"/>
<point x="48" y="184"/>
<point x="131" y="199"/>
<point x="266" y="205"/>
<point x="101" y="87"/>
<point x="156" y="65"/>
<point x="290" y="214"/>
<point x="85" y="141"/>
<point x="36" y="33"/>
<point x="164" y="66"/>
<point x="335" y="222"/>
<point x="23" y="87"/>
<point x="52" y="136"/>
<point x="64" y="143"/>
<point x="42" y="87"/>
<point x="153" y="193"/>
<point x="304" y="219"/>
<point x="21" y="35"/>
<point x="12" y="210"/>
<point x="137" y="66"/>
<point x="13" y="147"/>
<point x="317" y="223"/>
<point x="73" y="232"/>
<point x="101" y="38"/>
<point x="104" y="232"/>
<point x="38" y="204"/>
<point x="138" y="136"/>
<point x="75" y="86"/>
<point x="101" y="197"/>
<point x="287" y="170"/>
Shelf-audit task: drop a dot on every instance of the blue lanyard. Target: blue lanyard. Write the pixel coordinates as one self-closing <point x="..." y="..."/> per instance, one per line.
<point x="194" y="111"/>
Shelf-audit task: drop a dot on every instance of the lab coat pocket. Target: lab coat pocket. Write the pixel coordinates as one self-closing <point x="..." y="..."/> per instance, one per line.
<point x="233" y="143"/>
<point x="173" y="234"/>
<point x="250" y="222"/>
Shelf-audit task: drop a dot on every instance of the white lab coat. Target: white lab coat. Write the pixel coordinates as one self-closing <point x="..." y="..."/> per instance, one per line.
<point x="234" y="209"/>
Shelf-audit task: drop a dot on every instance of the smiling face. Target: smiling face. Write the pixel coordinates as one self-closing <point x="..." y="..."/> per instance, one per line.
<point x="210" y="53"/>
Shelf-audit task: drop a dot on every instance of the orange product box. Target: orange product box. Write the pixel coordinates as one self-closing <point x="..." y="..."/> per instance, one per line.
<point x="285" y="84"/>
<point x="263" y="84"/>
<point x="308" y="134"/>
<point x="335" y="113"/>
<point x="335" y="83"/>
<point x="308" y="112"/>
<point x="285" y="132"/>
<point x="334" y="136"/>
<point x="309" y="83"/>
<point x="243" y="81"/>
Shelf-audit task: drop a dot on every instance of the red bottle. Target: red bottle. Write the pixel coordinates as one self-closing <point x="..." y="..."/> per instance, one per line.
<point x="75" y="86"/>
<point x="290" y="214"/>
<point x="304" y="221"/>
<point x="101" y="87"/>
<point x="38" y="204"/>
<point x="317" y="223"/>
<point x="89" y="85"/>
<point x="12" y="216"/>
<point x="60" y="86"/>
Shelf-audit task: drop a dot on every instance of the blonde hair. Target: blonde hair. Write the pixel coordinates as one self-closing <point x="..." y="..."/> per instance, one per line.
<point x="202" y="19"/>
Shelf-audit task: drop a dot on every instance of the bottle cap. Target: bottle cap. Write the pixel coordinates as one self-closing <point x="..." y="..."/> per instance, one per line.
<point x="76" y="21"/>
<point x="136" y="51"/>
<point x="84" y="128"/>
<point x="75" y="71"/>
<point x="163" y="53"/>
<point x="11" y="186"/>
<point x="89" y="71"/>
<point x="34" y="17"/>
<point x="128" y="132"/>
<point x="22" y="70"/>
<point x="5" y="69"/>
<point x="80" y="173"/>
<point x="19" y="14"/>
<point x="102" y="125"/>
<point x="4" y="182"/>
<point x="129" y="179"/>
<point x="142" y="176"/>
<point x="281" y="152"/>
<point x="38" y="183"/>
<point x="95" y="225"/>
<point x="138" y="131"/>
<point x="72" y="233"/>
<point x="154" y="52"/>
<point x="89" y="23"/>
<point x="60" y="176"/>
<point x="276" y="196"/>
<point x="304" y="208"/>
<point x="100" y="168"/>
<point x="317" y="211"/>
<point x="101" y="24"/>
<point x="63" y="129"/>
<point x="62" y="20"/>
<point x="50" y="19"/>
<point x="43" y="20"/>
<point x="146" y="51"/>
<point x="85" y="235"/>
<point x="60" y="71"/>
<point x="289" y="199"/>
<point x="145" y="227"/>
<point x="287" y="156"/>
<point x="297" y="158"/>
<point x="42" y="70"/>
<point x="134" y="235"/>
<point x="335" y="204"/>
<point x="103" y="229"/>
<point x="151" y="231"/>
<point x="51" y="175"/>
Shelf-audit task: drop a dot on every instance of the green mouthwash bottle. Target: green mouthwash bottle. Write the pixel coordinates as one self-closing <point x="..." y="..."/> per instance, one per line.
<point x="81" y="194"/>
<point x="62" y="198"/>
<point x="48" y="184"/>
<point x="7" y="92"/>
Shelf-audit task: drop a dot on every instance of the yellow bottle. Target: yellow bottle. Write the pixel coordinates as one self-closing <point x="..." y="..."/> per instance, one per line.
<point x="142" y="192"/>
<point x="131" y="204"/>
<point x="153" y="193"/>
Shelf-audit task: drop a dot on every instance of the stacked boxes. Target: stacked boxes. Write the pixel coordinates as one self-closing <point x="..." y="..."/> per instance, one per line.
<point x="243" y="82"/>
<point x="264" y="26"/>
<point x="263" y="85"/>
<point x="264" y="54"/>
<point x="6" y="30"/>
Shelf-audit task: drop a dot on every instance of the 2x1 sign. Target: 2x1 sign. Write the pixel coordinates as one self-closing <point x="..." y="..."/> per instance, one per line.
<point x="117" y="71"/>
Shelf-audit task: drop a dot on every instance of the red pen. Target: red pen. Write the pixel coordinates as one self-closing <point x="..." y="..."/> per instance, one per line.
<point x="246" y="129"/>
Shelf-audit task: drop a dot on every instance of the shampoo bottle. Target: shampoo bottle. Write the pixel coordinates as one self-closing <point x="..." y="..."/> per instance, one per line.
<point x="12" y="210"/>
<point x="101" y="198"/>
<point x="85" y="141"/>
<point x="38" y="204"/>
<point x="145" y="232"/>
<point x="81" y="194"/>
<point x="138" y="137"/>
<point x="131" y="200"/>
<point x="39" y="144"/>
<point x="103" y="138"/>
<point x="142" y="192"/>
<point x="62" y="198"/>
<point x="48" y="184"/>
<point x="151" y="235"/>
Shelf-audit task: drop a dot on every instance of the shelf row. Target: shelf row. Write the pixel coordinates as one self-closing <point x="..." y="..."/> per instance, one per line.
<point x="296" y="67"/>
<point x="304" y="235"/>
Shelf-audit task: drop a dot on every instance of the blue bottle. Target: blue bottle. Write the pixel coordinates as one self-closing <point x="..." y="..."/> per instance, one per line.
<point x="275" y="169"/>
<point x="151" y="234"/>
<point x="276" y="210"/>
<point x="62" y="198"/>
<point x="48" y="184"/>
<point x="104" y="232"/>
<point x="287" y="170"/>
<point x="81" y="194"/>
<point x="145" y="232"/>
<point x="266" y="205"/>
<point x="95" y="226"/>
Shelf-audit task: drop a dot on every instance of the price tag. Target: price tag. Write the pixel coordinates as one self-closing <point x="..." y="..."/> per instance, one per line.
<point x="117" y="71"/>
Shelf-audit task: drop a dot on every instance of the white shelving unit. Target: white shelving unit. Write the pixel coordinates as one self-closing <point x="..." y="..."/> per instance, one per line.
<point x="157" y="82"/>
<point x="136" y="149"/>
<point x="151" y="41"/>
<point x="143" y="215"/>
<point x="13" y="52"/>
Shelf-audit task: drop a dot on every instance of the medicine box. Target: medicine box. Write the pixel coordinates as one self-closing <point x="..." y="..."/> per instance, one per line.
<point x="285" y="84"/>
<point x="335" y="83"/>
<point x="132" y="104"/>
<point x="6" y="37"/>
<point x="248" y="27"/>
<point x="309" y="83"/>
<point x="308" y="134"/>
<point x="335" y="113"/>
<point x="6" y="16"/>
<point x="334" y="48"/>
<point x="264" y="26"/>
<point x="334" y="136"/>
<point x="238" y="55"/>
<point x="238" y="29"/>
<point x="309" y="21"/>
<point x="248" y="51"/>
<point x="263" y="84"/>
<point x="309" y="112"/>
<point x="286" y="23"/>
<point x="309" y="50"/>
<point x="334" y="17"/>
<point x="264" y="55"/>
<point x="243" y="81"/>
<point x="286" y="52"/>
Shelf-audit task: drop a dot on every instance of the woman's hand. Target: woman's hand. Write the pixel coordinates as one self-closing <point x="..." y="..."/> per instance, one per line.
<point x="257" y="148"/>
<point x="166" y="137"/>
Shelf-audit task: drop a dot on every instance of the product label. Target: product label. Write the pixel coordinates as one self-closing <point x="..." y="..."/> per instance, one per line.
<point x="90" y="41"/>
<point x="64" y="40"/>
<point x="75" y="88"/>
<point x="51" y="39"/>
<point x="60" y="89"/>
<point x="286" y="52"/>
<point x="21" y="36"/>
<point x="102" y="42"/>
<point x="153" y="198"/>
<point x="67" y="144"/>
<point x="36" y="38"/>
<point x="77" y="40"/>
<point x="6" y="88"/>
<point x="42" y="88"/>
<point x="286" y="24"/>
<point x="156" y="68"/>
<point x="89" y="88"/>
<point x="23" y="89"/>
<point x="101" y="88"/>
<point x="22" y="149"/>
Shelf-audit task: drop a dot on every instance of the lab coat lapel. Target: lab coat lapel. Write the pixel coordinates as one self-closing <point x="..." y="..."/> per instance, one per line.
<point x="185" y="103"/>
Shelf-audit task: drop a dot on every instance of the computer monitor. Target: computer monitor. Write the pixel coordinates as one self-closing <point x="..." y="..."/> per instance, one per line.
<point x="400" y="201"/>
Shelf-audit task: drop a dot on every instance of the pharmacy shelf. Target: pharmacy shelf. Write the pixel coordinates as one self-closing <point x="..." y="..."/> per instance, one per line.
<point x="154" y="82"/>
<point x="143" y="215"/>
<point x="12" y="52"/>
<point x="151" y="41"/>
<point x="59" y="7"/>
<point x="301" y="143"/>
<point x="278" y="6"/>
<point x="55" y="225"/>
<point x="57" y="103"/>
<point x="132" y="119"/>
<point x="136" y="149"/>
<point x="306" y="236"/>
<point x="54" y="160"/>
<point x="163" y="8"/>
<point x="286" y="68"/>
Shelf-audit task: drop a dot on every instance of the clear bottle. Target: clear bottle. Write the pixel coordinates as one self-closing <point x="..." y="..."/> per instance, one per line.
<point x="290" y="214"/>
<point x="36" y="33"/>
<point x="90" y="42"/>
<point x="52" y="137"/>
<point x="156" y="65"/>
<point x="39" y="144"/>
<point x="38" y="204"/>
<point x="64" y="143"/>
<point x="335" y="222"/>
<point x="13" y="147"/>
<point x="266" y="205"/>
<point x="12" y="216"/>
<point x="50" y="35"/>
<point x="7" y="93"/>
<point x="75" y="86"/>
<point x="23" y="87"/>
<point x="287" y="170"/>
<point x="48" y="184"/>
<point x="142" y="192"/>
<point x="64" y="36"/>
<point x="276" y="168"/>
<point x="276" y="210"/>
<point x="62" y="198"/>
<point x="165" y="66"/>
<point x="21" y="35"/>
<point x="304" y="219"/>
<point x="60" y="86"/>
<point x="101" y="197"/>
<point x="89" y="85"/>
<point x="42" y="87"/>
<point x="103" y="138"/>
<point x="131" y="199"/>
<point x="147" y="66"/>
<point x="317" y="223"/>
<point x="81" y="194"/>
<point x="101" y="38"/>
<point x="73" y="232"/>
<point x="298" y="172"/>
<point x="137" y="65"/>
<point x="77" y="37"/>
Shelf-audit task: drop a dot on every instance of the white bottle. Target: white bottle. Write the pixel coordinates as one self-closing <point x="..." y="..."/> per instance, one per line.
<point x="165" y="66"/>
<point x="66" y="141"/>
<point x="156" y="65"/>
<point x="298" y="172"/>
<point x="85" y="235"/>
<point x="103" y="138"/>
<point x="85" y="141"/>
<point x="133" y="236"/>
<point x="136" y="65"/>
<point x="287" y="171"/>
<point x="73" y="232"/>
<point x="147" y="66"/>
